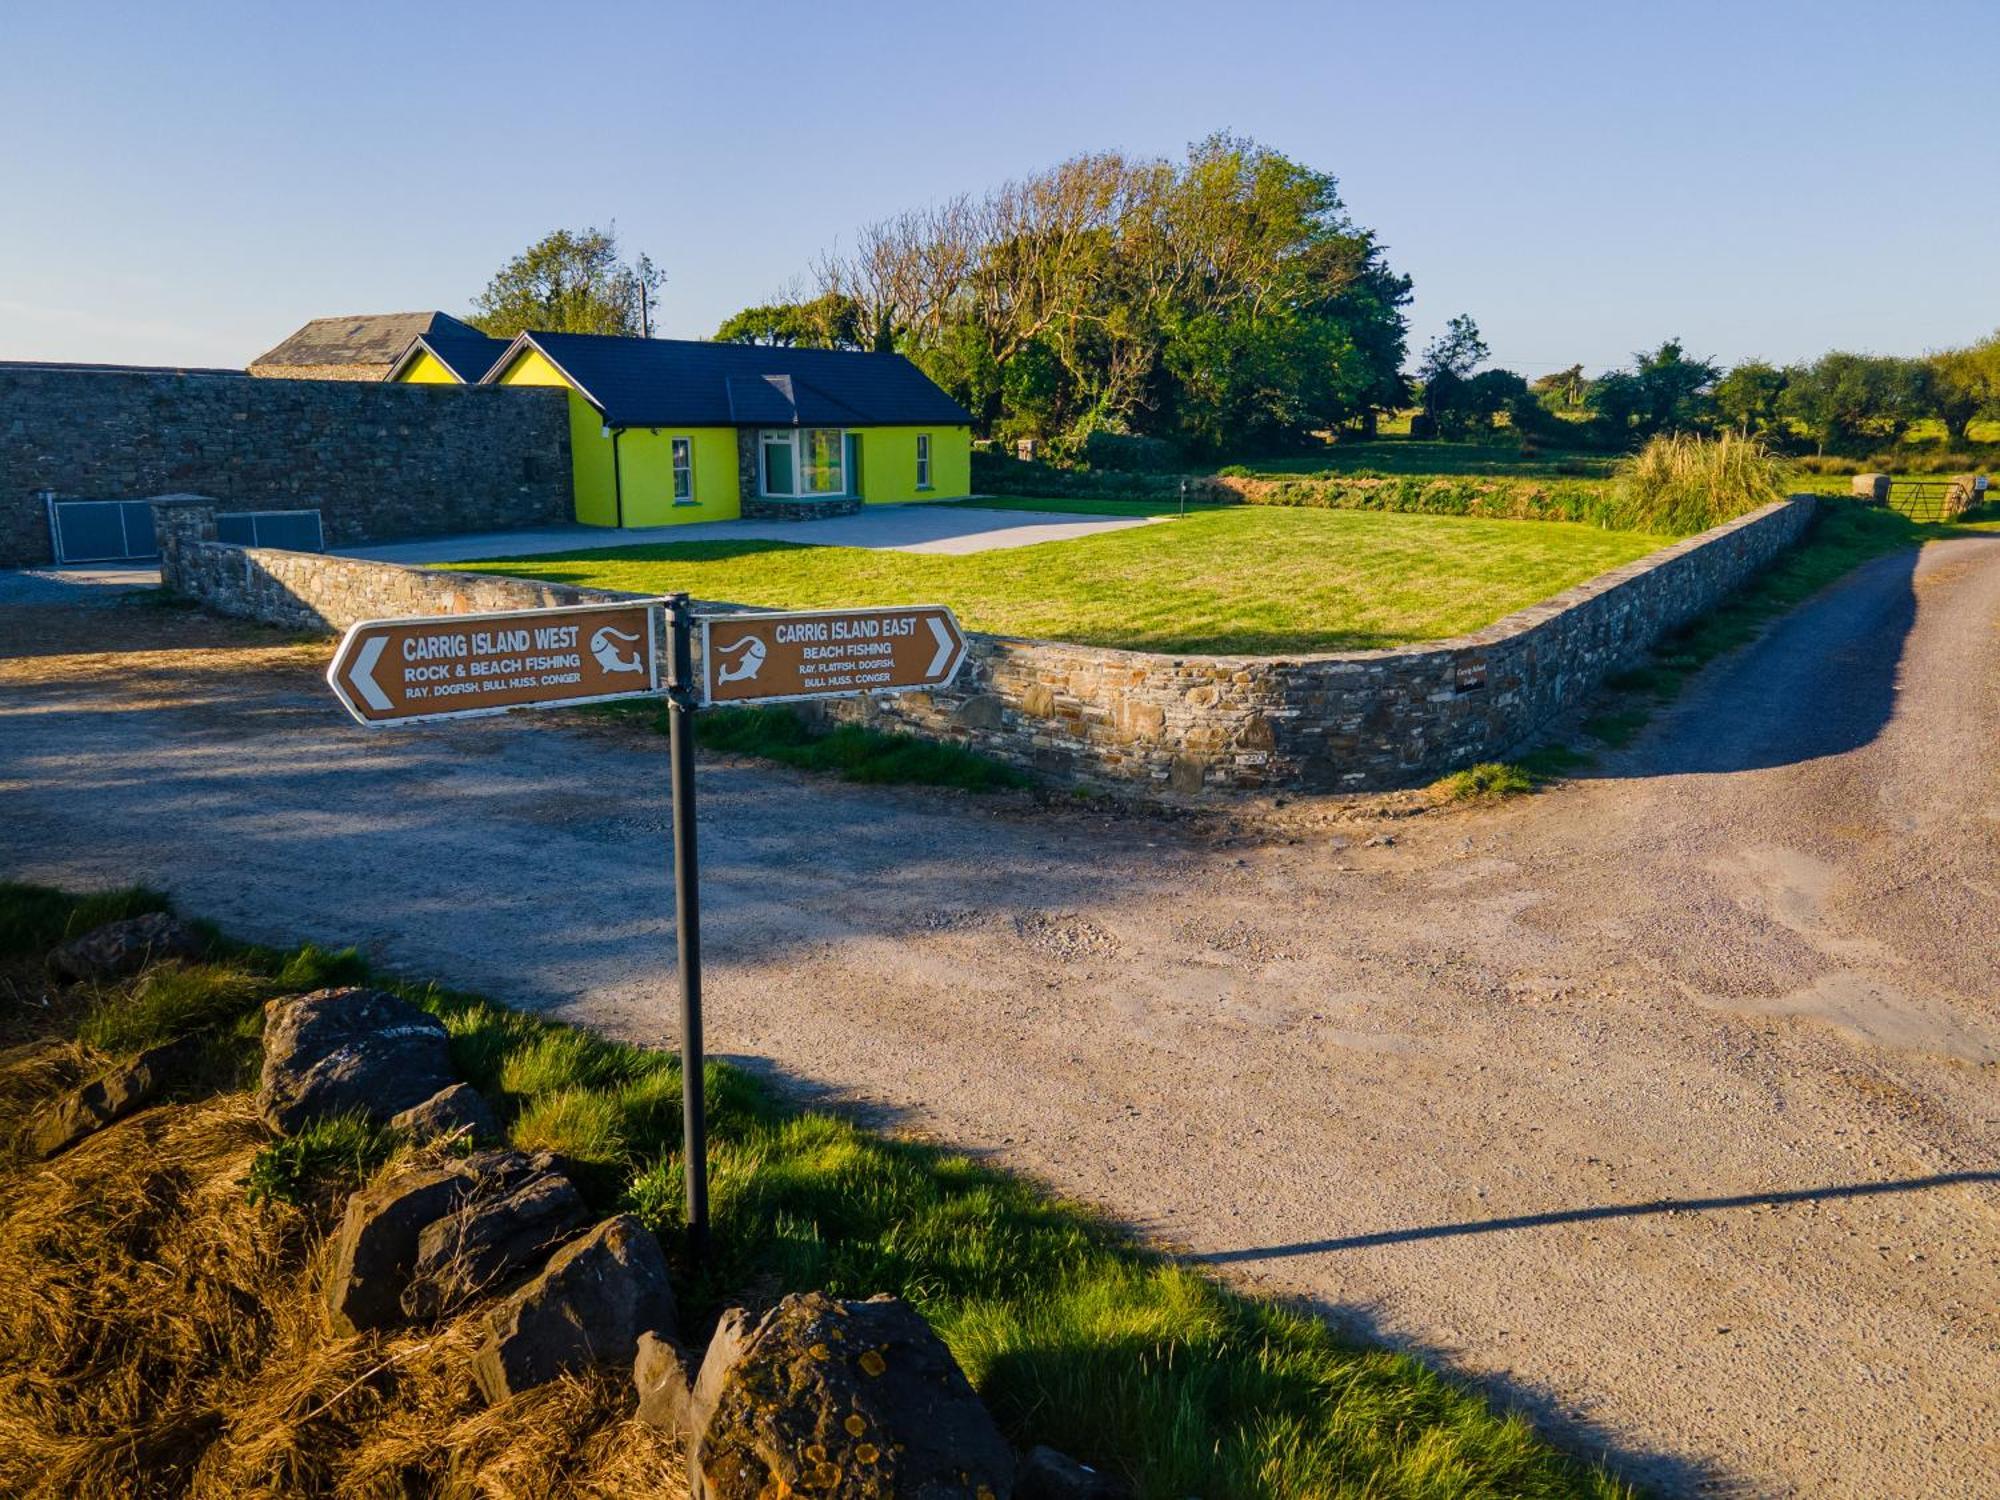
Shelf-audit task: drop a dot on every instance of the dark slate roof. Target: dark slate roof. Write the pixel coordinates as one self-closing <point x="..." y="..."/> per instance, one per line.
<point x="363" y="339"/>
<point x="693" y="383"/>
<point x="466" y="352"/>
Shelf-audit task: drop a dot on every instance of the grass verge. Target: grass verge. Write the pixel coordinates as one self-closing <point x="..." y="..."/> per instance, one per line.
<point x="852" y="752"/>
<point x="1074" y="1334"/>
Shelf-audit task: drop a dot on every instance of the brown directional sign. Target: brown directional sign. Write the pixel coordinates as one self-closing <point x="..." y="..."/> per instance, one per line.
<point x="828" y="653"/>
<point x="451" y="666"/>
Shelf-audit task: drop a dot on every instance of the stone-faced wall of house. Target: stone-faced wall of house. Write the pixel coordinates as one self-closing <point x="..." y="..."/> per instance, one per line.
<point x="1345" y="721"/>
<point x="378" y="461"/>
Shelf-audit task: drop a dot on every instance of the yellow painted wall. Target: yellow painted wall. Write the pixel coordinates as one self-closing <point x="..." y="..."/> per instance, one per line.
<point x="590" y="449"/>
<point x="889" y="464"/>
<point x="646" y="459"/>
<point x="427" y="369"/>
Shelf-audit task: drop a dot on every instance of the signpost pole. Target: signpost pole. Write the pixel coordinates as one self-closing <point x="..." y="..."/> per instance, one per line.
<point x="683" y="695"/>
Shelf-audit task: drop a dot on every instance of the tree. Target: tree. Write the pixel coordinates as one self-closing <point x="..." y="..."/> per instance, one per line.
<point x="1664" y="391"/>
<point x="570" y="281"/>
<point x="1845" y="400"/>
<point x="830" y="321"/>
<point x="1747" y="397"/>
<point x="1445" y="372"/>
<point x="1561" y="390"/>
<point x="1965" y="385"/>
<point x="1223" y="302"/>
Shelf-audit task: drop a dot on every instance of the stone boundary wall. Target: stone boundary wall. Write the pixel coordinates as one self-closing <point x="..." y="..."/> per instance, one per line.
<point x="378" y="461"/>
<point x="1356" y="720"/>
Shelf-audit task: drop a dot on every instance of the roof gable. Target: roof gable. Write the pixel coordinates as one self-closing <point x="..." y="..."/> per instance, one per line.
<point x="694" y="383"/>
<point x="463" y="350"/>
<point x="361" y="339"/>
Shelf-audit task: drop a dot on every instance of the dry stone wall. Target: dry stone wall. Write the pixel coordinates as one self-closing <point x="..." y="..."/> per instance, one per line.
<point x="377" y="461"/>
<point x="1344" y="721"/>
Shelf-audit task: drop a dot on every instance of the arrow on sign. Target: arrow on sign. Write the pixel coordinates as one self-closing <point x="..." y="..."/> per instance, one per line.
<point x="363" y="673"/>
<point x="948" y="642"/>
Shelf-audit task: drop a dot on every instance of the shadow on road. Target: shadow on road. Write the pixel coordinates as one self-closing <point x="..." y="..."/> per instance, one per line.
<point x="1599" y="1211"/>
<point x="1820" y="682"/>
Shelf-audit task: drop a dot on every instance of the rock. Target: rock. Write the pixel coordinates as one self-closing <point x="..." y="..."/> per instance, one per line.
<point x="120" y="948"/>
<point x="458" y="1110"/>
<point x="112" y="1097"/>
<point x="589" y="1306"/>
<point x="846" y="1399"/>
<point x="487" y="1238"/>
<point x="1049" y="1475"/>
<point x="376" y="1249"/>
<point x="660" y="1373"/>
<point x="342" y="1049"/>
<point x="1873" y="487"/>
<point x="1381" y="841"/>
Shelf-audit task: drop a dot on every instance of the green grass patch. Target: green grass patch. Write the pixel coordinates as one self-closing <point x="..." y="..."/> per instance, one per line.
<point x="35" y="918"/>
<point x="322" y="1157"/>
<point x="1489" y="781"/>
<point x="1074" y="1334"/>
<point x="1091" y="505"/>
<point x="1237" y="579"/>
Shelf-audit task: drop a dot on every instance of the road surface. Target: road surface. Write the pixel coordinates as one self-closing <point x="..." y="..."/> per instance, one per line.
<point x="1666" y="1104"/>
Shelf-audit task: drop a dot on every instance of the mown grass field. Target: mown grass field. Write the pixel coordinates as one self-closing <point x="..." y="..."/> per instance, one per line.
<point x="1072" y="1333"/>
<point x="1234" y="580"/>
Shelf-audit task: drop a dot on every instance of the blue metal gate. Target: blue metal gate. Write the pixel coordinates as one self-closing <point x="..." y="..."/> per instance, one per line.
<point x="82" y="531"/>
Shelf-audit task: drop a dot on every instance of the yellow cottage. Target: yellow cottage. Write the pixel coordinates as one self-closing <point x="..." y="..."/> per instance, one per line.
<point x="669" y="430"/>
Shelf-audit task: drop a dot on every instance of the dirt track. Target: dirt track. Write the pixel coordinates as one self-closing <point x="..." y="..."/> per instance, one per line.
<point x="1668" y="1103"/>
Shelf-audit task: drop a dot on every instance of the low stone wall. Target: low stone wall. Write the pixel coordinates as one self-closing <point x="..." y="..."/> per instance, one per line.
<point x="1345" y="720"/>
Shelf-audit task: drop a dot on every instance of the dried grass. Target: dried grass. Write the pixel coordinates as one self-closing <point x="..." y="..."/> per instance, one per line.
<point x="158" y="1336"/>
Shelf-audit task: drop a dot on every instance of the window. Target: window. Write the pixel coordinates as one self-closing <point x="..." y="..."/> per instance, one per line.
<point x="923" y="460"/>
<point x="809" y="462"/>
<point x="683" y="449"/>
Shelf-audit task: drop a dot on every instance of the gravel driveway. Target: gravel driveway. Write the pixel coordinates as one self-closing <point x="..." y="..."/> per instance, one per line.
<point x="1666" y="1104"/>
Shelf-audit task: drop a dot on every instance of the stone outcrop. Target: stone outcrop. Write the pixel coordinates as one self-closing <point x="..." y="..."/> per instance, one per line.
<point x="118" y="1093"/>
<point x="666" y="1389"/>
<point x="488" y="1238"/>
<point x="589" y="1306"/>
<point x="458" y="1110"/>
<point x="381" y="1231"/>
<point x="848" y="1400"/>
<point x="1049" y="1475"/>
<point x="118" y="949"/>
<point x="336" y="1050"/>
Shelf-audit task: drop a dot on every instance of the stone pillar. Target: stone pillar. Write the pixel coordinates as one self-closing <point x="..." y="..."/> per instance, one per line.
<point x="1870" y="487"/>
<point x="179" y="520"/>
<point x="746" y="467"/>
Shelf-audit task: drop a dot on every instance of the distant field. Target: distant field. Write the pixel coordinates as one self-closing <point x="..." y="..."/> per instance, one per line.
<point x="1404" y="456"/>
<point x="1233" y="580"/>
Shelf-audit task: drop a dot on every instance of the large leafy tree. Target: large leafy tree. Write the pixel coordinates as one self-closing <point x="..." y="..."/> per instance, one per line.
<point x="1845" y="400"/>
<point x="570" y="281"/>
<point x="1225" y="302"/>
<point x="825" y="322"/>
<point x="1964" y="385"/>
<point x="1747" y="397"/>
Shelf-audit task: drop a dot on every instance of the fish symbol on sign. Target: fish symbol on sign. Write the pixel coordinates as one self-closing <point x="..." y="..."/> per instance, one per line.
<point x="745" y="666"/>
<point x="609" y="657"/>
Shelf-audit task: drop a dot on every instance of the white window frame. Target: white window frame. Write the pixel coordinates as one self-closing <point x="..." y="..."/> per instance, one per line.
<point x="794" y="438"/>
<point x="680" y="465"/>
<point x="923" y="460"/>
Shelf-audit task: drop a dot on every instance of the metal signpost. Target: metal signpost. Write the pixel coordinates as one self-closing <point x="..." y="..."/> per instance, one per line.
<point x="429" y="667"/>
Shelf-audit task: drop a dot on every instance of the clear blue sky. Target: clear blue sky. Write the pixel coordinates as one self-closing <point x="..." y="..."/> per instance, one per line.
<point x="189" y="182"/>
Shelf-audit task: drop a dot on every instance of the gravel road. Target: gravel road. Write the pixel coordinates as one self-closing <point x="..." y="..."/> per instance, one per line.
<point x="1666" y="1104"/>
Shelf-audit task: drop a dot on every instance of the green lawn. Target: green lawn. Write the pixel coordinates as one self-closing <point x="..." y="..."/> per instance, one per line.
<point x="1236" y="580"/>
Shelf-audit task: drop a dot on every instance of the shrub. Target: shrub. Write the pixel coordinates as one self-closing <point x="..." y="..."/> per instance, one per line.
<point x="1120" y="450"/>
<point x="1684" y="484"/>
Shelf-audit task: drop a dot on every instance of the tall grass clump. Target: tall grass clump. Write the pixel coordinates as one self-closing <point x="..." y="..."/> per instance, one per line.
<point x="1683" y="484"/>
